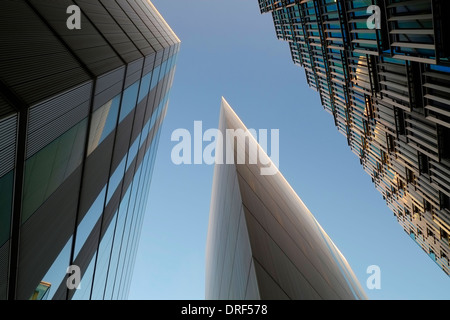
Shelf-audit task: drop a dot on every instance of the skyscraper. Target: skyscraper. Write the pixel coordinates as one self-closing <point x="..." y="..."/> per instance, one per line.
<point x="80" y="111"/>
<point x="263" y="243"/>
<point x="383" y="73"/>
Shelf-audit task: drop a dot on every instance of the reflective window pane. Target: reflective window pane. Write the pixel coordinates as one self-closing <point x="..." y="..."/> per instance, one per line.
<point x="84" y="290"/>
<point x="115" y="179"/>
<point x="46" y="170"/>
<point x="145" y="87"/>
<point x="89" y="220"/>
<point x="57" y="272"/>
<point x="129" y="100"/>
<point x="103" y="123"/>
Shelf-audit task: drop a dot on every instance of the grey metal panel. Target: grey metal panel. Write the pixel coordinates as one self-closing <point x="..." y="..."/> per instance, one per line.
<point x="149" y="64"/>
<point x="87" y="43"/>
<point x="133" y="72"/>
<point x="110" y="29"/>
<point x="4" y="261"/>
<point x="5" y="107"/>
<point x="8" y="134"/>
<point x="45" y="234"/>
<point x="128" y="26"/>
<point x="55" y="107"/>
<point x="33" y="62"/>
<point x="108" y="86"/>
<point x="46" y="134"/>
<point x="137" y="21"/>
<point x="154" y="36"/>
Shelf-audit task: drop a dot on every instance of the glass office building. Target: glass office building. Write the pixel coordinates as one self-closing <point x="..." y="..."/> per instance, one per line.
<point x="388" y="91"/>
<point x="80" y="117"/>
<point x="263" y="242"/>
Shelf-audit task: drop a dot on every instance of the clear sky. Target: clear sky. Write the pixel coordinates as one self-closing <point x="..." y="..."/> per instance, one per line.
<point x="229" y="49"/>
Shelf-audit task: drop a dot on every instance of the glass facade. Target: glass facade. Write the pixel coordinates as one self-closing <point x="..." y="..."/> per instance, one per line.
<point x="263" y="243"/>
<point x="388" y="91"/>
<point x="78" y="143"/>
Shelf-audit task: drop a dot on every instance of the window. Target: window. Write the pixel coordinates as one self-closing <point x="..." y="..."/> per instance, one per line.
<point x="129" y="100"/>
<point x="86" y="225"/>
<point x="46" y="170"/>
<point x="103" y="123"/>
<point x="57" y="272"/>
<point x="115" y="179"/>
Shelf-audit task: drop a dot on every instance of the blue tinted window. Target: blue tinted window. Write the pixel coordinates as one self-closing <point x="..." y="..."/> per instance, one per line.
<point x="57" y="272"/>
<point x="89" y="220"/>
<point x="103" y="122"/>
<point x="145" y="87"/>
<point x="115" y="179"/>
<point x="132" y="152"/>
<point x="104" y="252"/>
<point x="84" y="292"/>
<point x="117" y="242"/>
<point x="129" y="100"/>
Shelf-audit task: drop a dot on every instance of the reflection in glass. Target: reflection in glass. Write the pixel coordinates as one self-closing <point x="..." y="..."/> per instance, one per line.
<point x="89" y="220"/>
<point x="57" y="272"/>
<point x="103" y="123"/>
<point x="145" y="86"/>
<point x="117" y="242"/>
<point x="101" y="270"/>
<point x="115" y="179"/>
<point x="84" y="290"/>
<point x="46" y="170"/>
<point x="129" y="100"/>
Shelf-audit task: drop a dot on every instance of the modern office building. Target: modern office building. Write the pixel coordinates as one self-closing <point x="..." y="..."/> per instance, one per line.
<point x="263" y="243"/>
<point x="80" y="112"/>
<point x="388" y="90"/>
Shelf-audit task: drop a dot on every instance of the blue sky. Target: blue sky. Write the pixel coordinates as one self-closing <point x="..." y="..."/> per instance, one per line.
<point x="229" y="49"/>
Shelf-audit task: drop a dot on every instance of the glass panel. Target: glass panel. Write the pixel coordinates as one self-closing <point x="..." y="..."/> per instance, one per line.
<point x="116" y="246"/>
<point x="46" y="170"/>
<point x="57" y="272"/>
<point x="84" y="292"/>
<point x="103" y="123"/>
<point x="90" y="219"/>
<point x="132" y="152"/>
<point x="145" y="86"/>
<point x="6" y="193"/>
<point x="115" y="179"/>
<point x="129" y="100"/>
<point x="104" y="253"/>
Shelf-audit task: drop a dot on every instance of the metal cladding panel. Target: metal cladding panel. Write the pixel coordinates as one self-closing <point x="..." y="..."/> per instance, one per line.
<point x="108" y="86"/>
<point x="149" y="64"/>
<point x="128" y="26"/>
<point x="109" y="28"/>
<point x="155" y="39"/>
<point x="49" y="120"/>
<point x="134" y="72"/>
<point x="5" y="107"/>
<point x="86" y="43"/>
<point x="4" y="261"/>
<point x="39" y="243"/>
<point x="33" y="62"/>
<point x="8" y="134"/>
<point x="293" y="257"/>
